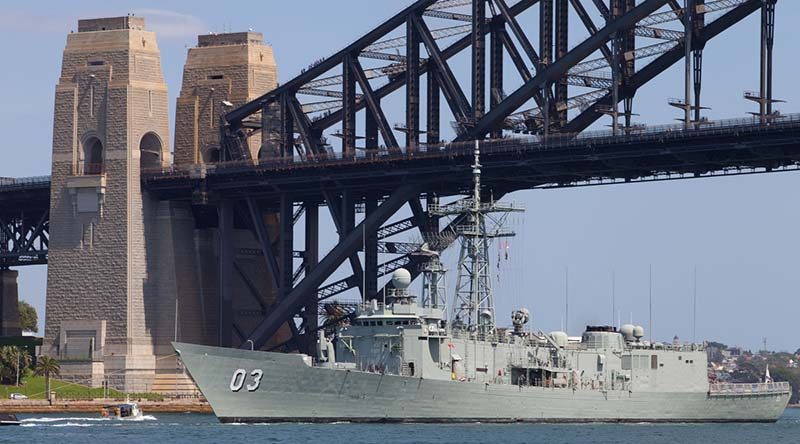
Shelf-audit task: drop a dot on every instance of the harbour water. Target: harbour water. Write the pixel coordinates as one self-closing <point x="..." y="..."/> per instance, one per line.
<point x="197" y="429"/>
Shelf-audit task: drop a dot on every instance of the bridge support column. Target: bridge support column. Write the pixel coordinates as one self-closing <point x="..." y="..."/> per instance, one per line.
<point x="478" y="58"/>
<point x="310" y="261"/>
<point x="347" y="214"/>
<point x="546" y="55"/>
<point x="496" y="71"/>
<point x="698" y="21"/>
<point x="9" y="310"/>
<point x="767" y="44"/>
<point x="348" y="109"/>
<point x="371" y="253"/>
<point x="370" y="131"/>
<point x="629" y="67"/>
<point x="562" y="48"/>
<point x="434" y="96"/>
<point x="226" y="245"/>
<point x="286" y="259"/>
<point x="412" y="85"/>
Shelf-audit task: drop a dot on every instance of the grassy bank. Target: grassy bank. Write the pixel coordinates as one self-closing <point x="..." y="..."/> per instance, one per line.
<point x="34" y="388"/>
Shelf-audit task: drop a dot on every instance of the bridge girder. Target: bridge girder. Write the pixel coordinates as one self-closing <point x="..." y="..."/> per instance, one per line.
<point x="352" y="75"/>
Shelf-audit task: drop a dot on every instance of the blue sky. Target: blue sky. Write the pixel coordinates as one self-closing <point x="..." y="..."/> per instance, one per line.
<point x="738" y="231"/>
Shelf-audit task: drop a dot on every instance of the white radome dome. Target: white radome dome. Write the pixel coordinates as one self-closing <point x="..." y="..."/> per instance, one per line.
<point x="638" y="332"/>
<point x="627" y="332"/>
<point x="560" y="338"/>
<point x="401" y="278"/>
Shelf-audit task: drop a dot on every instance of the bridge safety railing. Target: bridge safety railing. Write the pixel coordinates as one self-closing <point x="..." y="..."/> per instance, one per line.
<point x="12" y="183"/>
<point x="742" y="389"/>
<point x="518" y="144"/>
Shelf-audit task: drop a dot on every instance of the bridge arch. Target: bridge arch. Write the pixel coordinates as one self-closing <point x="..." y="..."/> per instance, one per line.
<point x="150" y="151"/>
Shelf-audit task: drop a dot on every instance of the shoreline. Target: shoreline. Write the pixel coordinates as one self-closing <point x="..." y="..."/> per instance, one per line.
<point x="95" y="406"/>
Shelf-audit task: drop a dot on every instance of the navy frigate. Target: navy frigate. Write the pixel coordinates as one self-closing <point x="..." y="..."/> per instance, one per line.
<point x="403" y="359"/>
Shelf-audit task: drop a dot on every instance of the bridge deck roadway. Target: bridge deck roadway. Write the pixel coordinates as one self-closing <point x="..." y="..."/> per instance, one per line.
<point x="31" y="193"/>
<point x="742" y="146"/>
<point x="512" y="164"/>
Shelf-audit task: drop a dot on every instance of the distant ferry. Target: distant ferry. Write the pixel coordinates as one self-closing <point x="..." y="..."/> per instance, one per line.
<point x="125" y="410"/>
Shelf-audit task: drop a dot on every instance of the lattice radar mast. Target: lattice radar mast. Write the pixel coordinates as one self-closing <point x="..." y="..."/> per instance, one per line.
<point x="473" y="301"/>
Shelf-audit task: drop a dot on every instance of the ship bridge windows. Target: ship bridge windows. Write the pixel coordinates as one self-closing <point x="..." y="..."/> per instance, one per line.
<point x="382" y="322"/>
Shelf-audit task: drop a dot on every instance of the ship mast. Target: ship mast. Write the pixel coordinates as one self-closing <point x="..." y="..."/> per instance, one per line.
<point x="473" y="302"/>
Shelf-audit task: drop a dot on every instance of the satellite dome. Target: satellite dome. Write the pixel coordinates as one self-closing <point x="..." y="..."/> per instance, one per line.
<point x="638" y="332"/>
<point x="560" y="338"/>
<point x="401" y="278"/>
<point x="627" y="332"/>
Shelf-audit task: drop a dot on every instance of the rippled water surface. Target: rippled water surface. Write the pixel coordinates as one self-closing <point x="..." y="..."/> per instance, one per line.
<point x="196" y="429"/>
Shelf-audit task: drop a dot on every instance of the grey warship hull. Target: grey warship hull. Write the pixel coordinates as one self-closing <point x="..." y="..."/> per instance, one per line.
<point x="275" y="387"/>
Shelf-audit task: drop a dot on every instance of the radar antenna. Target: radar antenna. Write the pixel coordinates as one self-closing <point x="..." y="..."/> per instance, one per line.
<point x="473" y="302"/>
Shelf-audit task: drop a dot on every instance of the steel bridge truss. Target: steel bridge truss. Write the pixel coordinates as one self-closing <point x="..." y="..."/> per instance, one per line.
<point x="301" y="289"/>
<point x="24" y="221"/>
<point x="517" y="82"/>
<point x="24" y="239"/>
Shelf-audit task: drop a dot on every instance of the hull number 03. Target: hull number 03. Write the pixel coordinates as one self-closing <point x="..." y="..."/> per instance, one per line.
<point x="240" y="377"/>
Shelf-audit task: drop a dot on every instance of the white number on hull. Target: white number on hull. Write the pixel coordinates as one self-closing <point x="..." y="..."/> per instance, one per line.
<point x="237" y="381"/>
<point x="256" y="374"/>
<point x="239" y="376"/>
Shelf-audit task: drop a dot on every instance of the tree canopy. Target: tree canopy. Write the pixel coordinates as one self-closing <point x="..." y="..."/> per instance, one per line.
<point x="10" y="358"/>
<point x="28" y="318"/>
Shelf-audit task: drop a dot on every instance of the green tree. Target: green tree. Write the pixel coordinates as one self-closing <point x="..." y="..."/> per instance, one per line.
<point x="790" y="375"/>
<point x="47" y="367"/>
<point x="27" y="317"/>
<point x="13" y="362"/>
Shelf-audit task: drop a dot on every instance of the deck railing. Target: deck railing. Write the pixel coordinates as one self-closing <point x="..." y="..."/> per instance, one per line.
<point x="517" y="144"/>
<point x="742" y="389"/>
<point x="15" y="183"/>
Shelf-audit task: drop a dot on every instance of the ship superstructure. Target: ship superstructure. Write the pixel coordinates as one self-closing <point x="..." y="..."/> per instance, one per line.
<point x="403" y="359"/>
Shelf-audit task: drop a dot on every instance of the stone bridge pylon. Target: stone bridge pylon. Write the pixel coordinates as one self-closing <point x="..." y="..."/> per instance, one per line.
<point x="128" y="273"/>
